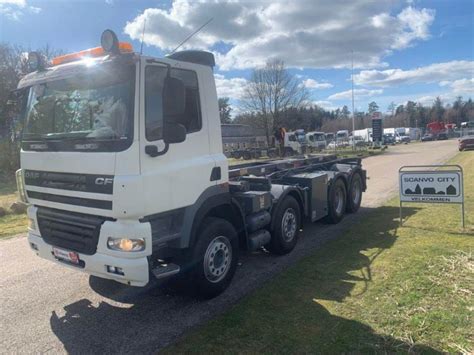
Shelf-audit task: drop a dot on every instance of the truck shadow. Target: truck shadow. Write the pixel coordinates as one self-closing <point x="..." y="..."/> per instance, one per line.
<point x="144" y="320"/>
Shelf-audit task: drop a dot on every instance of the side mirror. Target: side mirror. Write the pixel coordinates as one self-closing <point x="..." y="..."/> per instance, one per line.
<point x="174" y="97"/>
<point x="174" y="133"/>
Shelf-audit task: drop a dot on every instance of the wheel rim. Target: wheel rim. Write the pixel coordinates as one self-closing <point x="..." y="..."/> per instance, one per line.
<point x="289" y="225"/>
<point x="339" y="201"/>
<point x="217" y="259"/>
<point x="356" y="192"/>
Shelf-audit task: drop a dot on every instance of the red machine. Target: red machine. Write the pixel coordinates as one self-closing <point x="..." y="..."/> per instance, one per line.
<point x="435" y="127"/>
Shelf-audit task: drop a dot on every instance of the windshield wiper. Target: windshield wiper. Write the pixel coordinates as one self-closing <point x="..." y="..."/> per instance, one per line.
<point x="65" y="135"/>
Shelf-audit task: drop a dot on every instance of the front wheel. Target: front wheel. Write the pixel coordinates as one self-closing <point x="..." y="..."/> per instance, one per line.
<point x="336" y="201"/>
<point x="216" y="254"/>
<point x="287" y="221"/>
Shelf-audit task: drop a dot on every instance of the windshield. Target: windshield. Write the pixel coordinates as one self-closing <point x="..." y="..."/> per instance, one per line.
<point x="92" y="107"/>
<point x="301" y="137"/>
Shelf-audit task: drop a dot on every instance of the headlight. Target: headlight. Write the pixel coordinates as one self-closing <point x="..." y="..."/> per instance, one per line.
<point x="126" y="244"/>
<point x="20" y="183"/>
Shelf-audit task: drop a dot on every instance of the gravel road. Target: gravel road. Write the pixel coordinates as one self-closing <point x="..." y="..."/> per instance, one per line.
<point x="47" y="308"/>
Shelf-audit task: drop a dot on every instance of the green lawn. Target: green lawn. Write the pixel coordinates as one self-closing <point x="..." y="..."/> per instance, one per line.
<point x="377" y="289"/>
<point x="11" y="224"/>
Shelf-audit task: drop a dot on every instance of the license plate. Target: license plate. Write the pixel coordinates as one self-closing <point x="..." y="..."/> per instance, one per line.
<point x="69" y="256"/>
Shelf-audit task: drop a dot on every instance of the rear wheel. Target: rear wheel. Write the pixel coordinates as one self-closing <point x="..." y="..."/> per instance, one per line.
<point x="216" y="255"/>
<point x="286" y="227"/>
<point x="336" y="201"/>
<point x="354" y="197"/>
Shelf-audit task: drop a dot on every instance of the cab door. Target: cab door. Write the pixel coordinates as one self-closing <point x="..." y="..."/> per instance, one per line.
<point x="176" y="177"/>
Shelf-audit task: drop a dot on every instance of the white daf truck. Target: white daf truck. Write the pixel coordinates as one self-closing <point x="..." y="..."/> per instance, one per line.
<point x="123" y="170"/>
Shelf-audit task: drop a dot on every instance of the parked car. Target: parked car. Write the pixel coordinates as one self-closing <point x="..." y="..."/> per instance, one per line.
<point x="428" y="137"/>
<point x="358" y="141"/>
<point x="442" y="136"/>
<point x="403" y="138"/>
<point x="332" y="145"/>
<point x="388" y="139"/>
<point x="466" y="143"/>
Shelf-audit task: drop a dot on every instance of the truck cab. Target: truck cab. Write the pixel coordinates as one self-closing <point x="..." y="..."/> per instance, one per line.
<point x="316" y="141"/>
<point x="123" y="168"/>
<point x="100" y="148"/>
<point x="295" y="142"/>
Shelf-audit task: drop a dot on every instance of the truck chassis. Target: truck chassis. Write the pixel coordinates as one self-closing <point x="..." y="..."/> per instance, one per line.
<point x="268" y="202"/>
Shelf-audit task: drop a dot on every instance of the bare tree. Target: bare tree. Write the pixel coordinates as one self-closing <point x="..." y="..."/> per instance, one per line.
<point x="270" y="91"/>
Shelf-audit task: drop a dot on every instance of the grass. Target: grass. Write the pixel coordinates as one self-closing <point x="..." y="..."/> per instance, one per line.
<point x="380" y="288"/>
<point x="10" y="224"/>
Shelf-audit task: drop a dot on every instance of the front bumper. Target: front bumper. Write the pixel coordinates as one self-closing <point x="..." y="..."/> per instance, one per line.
<point x="136" y="271"/>
<point x="133" y="265"/>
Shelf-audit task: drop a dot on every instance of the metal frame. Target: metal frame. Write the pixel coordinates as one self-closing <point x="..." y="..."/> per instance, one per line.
<point x="401" y="170"/>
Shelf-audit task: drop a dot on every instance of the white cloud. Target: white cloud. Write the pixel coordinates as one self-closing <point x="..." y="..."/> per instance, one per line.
<point x="316" y="34"/>
<point x="232" y="88"/>
<point x="20" y="3"/>
<point x="327" y="105"/>
<point x="313" y="84"/>
<point x="415" y="24"/>
<point x="15" y="9"/>
<point x="358" y="93"/>
<point x="433" y="73"/>
<point x="461" y="86"/>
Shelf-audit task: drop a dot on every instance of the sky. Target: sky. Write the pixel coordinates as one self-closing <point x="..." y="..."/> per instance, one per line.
<point x="402" y="50"/>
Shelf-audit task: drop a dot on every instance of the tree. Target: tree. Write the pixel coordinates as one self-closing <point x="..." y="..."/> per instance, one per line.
<point x="224" y="109"/>
<point x="345" y="112"/>
<point x="13" y="66"/>
<point x="391" y="108"/>
<point x="373" y="107"/>
<point x="271" y="90"/>
<point x="437" y="111"/>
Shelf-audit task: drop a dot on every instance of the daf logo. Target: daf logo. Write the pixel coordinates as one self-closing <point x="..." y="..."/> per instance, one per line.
<point x="32" y="174"/>
<point x="104" y="181"/>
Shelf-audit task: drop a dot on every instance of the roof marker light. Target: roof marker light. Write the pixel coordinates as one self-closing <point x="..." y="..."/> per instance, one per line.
<point x="109" y="42"/>
<point x="35" y="61"/>
<point x="123" y="47"/>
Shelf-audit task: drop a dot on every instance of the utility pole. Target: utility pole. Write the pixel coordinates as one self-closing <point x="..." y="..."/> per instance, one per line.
<point x="353" y="113"/>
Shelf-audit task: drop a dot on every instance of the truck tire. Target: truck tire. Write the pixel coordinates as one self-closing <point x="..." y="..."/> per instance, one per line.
<point x="287" y="222"/>
<point x="354" y="195"/>
<point x="247" y="155"/>
<point x="336" y="201"/>
<point x="216" y="254"/>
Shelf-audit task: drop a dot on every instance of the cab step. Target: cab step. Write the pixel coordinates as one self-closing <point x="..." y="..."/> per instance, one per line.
<point x="165" y="270"/>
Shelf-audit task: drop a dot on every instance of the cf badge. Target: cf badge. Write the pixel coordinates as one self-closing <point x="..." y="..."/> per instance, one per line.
<point x="104" y="181"/>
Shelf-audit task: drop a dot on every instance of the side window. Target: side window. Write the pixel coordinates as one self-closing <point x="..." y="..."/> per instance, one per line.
<point x="190" y="119"/>
<point x="292" y="138"/>
<point x="154" y="78"/>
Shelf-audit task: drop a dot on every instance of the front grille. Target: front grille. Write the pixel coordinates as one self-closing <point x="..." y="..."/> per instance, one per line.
<point x="70" y="200"/>
<point x="69" y="230"/>
<point x="102" y="184"/>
